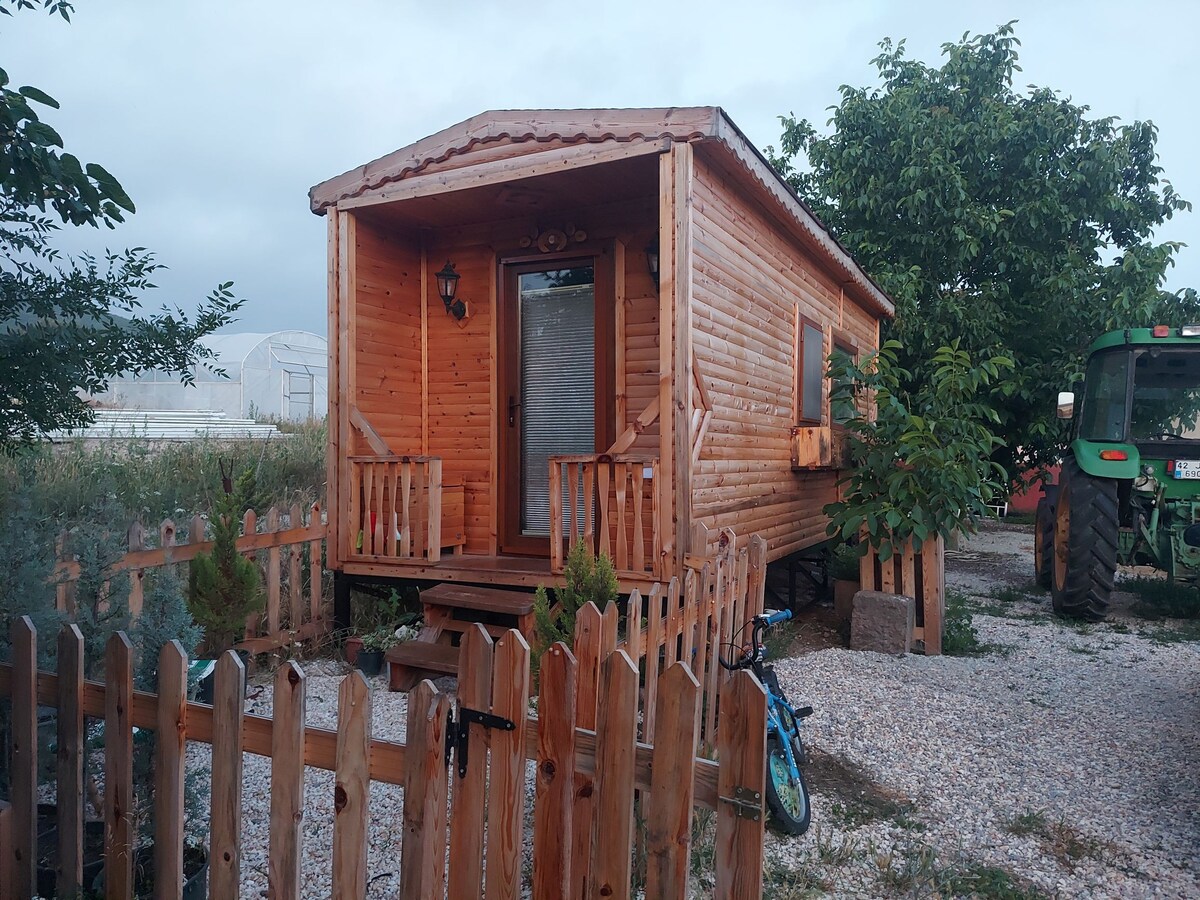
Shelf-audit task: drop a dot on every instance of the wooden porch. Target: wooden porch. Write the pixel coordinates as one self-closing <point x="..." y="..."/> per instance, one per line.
<point x="408" y="523"/>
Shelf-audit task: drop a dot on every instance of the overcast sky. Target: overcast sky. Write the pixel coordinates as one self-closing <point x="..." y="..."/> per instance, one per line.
<point x="218" y="116"/>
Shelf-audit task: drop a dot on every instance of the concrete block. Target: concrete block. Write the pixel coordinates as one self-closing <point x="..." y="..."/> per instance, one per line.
<point x="882" y="623"/>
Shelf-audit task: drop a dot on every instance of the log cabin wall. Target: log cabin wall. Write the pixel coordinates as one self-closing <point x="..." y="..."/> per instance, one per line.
<point x="750" y="279"/>
<point x="459" y="421"/>
<point x="387" y="320"/>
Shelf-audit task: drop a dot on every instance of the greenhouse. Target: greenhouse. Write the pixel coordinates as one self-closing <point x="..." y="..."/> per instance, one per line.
<point x="277" y="375"/>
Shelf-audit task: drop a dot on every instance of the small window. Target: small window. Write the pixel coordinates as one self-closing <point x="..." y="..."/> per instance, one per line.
<point x="810" y="371"/>
<point x="842" y="406"/>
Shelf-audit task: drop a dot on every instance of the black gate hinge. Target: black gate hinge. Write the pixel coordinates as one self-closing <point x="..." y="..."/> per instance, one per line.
<point x="458" y="732"/>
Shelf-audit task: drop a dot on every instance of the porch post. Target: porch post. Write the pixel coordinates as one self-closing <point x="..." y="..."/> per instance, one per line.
<point x="666" y="362"/>
<point x="347" y="381"/>
<point x="334" y="445"/>
<point x="682" y="383"/>
<point x="675" y="357"/>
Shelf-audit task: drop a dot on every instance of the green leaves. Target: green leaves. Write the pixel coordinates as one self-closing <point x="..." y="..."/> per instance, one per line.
<point x="67" y="326"/>
<point x="921" y="465"/>
<point x="111" y="188"/>
<point x="36" y="95"/>
<point x="1007" y="220"/>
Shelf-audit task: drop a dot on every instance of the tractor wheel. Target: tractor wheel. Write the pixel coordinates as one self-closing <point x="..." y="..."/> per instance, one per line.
<point x="1043" y="537"/>
<point x="1085" y="544"/>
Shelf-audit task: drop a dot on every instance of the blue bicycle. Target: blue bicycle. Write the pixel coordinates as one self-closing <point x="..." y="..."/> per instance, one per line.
<point x="787" y="793"/>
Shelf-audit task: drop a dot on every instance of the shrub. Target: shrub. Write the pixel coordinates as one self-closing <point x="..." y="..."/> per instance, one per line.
<point x="587" y="579"/>
<point x="959" y="636"/>
<point x="27" y="562"/>
<point x="224" y="588"/>
<point x="155" y="480"/>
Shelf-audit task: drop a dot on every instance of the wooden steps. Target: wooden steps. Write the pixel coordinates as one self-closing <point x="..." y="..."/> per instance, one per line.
<point x="440" y="658"/>
<point x="449" y="610"/>
<point x="479" y="599"/>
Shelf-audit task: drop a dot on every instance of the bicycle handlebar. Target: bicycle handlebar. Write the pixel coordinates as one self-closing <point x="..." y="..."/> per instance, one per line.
<point x="754" y="654"/>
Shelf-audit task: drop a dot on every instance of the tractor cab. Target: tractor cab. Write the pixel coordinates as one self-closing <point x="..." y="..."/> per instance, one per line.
<point x="1129" y="492"/>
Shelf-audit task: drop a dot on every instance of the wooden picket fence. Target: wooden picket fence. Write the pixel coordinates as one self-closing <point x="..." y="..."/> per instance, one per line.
<point x="463" y="770"/>
<point x="917" y="573"/>
<point x="697" y="620"/>
<point x="294" y="609"/>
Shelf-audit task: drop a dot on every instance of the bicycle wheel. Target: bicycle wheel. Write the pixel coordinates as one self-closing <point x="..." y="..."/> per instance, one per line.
<point x="787" y="798"/>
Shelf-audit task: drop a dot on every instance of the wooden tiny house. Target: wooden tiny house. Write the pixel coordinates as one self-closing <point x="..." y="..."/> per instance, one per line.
<point x="635" y="344"/>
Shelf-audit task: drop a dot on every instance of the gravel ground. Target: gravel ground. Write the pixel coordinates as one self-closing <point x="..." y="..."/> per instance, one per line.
<point x="1089" y="733"/>
<point x="923" y="768"/>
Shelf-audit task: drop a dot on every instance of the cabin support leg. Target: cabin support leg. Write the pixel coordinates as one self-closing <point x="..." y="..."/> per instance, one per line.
<point x="341" y="601"/>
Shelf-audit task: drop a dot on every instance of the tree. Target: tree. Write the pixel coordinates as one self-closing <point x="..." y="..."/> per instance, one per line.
<point x="70" y="325"/>
<point x="921" y="465"/>
<point x="1008" y="220"/>
<point x="224" y="587"/>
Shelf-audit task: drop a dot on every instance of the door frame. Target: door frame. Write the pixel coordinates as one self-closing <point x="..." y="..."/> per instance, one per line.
<point x="601" y="256"/>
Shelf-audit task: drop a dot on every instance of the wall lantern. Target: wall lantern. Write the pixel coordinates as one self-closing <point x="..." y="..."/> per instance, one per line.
<point x="447" y="284"/>
<point x="652" y="261"/>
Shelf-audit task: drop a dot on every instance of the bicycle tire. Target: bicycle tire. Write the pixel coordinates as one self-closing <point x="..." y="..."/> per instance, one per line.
<point x="787" y="800"/>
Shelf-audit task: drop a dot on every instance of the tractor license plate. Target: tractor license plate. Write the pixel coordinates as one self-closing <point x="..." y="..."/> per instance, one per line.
<point x="1187" y="469"/>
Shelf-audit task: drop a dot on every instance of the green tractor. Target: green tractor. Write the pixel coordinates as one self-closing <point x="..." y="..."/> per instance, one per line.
<point x="1129" y="491"/>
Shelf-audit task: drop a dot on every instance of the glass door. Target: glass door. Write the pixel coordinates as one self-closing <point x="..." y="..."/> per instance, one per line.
<point x="554" y="387"/>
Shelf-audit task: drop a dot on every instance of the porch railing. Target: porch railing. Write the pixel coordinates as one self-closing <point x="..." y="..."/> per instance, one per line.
<point x="612" y="503"/>
<point x="398" y="508"/>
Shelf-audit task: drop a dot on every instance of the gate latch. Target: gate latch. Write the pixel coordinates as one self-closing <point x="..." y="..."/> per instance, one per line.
<point x="458" y="732"/>
<point x="747" y="804"/>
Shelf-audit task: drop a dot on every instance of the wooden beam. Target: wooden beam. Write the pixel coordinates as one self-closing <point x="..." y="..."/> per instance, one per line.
<point x="496" y="422"/>
<point x="334" y="443"/>
<point x="681" y="381"/>
<point x="346" y="380"/>
<point x="374" y="440"/>
<point x="562" y="159"/>
<point x="701" y="387"/>
<point x="619" y="301"/>
<point x="666" y="364"/>
<point x="424" y="345"/>
<point x="698" y="441"/>
<point x="645" y="419"/>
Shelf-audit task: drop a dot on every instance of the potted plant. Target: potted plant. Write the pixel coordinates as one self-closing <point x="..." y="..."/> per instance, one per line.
<point x="375" y="645"/>
<point x="371" y="612"/>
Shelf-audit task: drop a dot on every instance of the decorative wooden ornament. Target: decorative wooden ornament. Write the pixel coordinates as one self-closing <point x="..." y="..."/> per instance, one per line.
<point x="554" y="240"/>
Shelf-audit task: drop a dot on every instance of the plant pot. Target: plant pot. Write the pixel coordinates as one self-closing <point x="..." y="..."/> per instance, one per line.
<point x="195" y="861"/>
<point x="370" y="662"/>
<point x="352" y="648"/>
<point x="206" y="680"/>
<point x="843" y="599"/>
